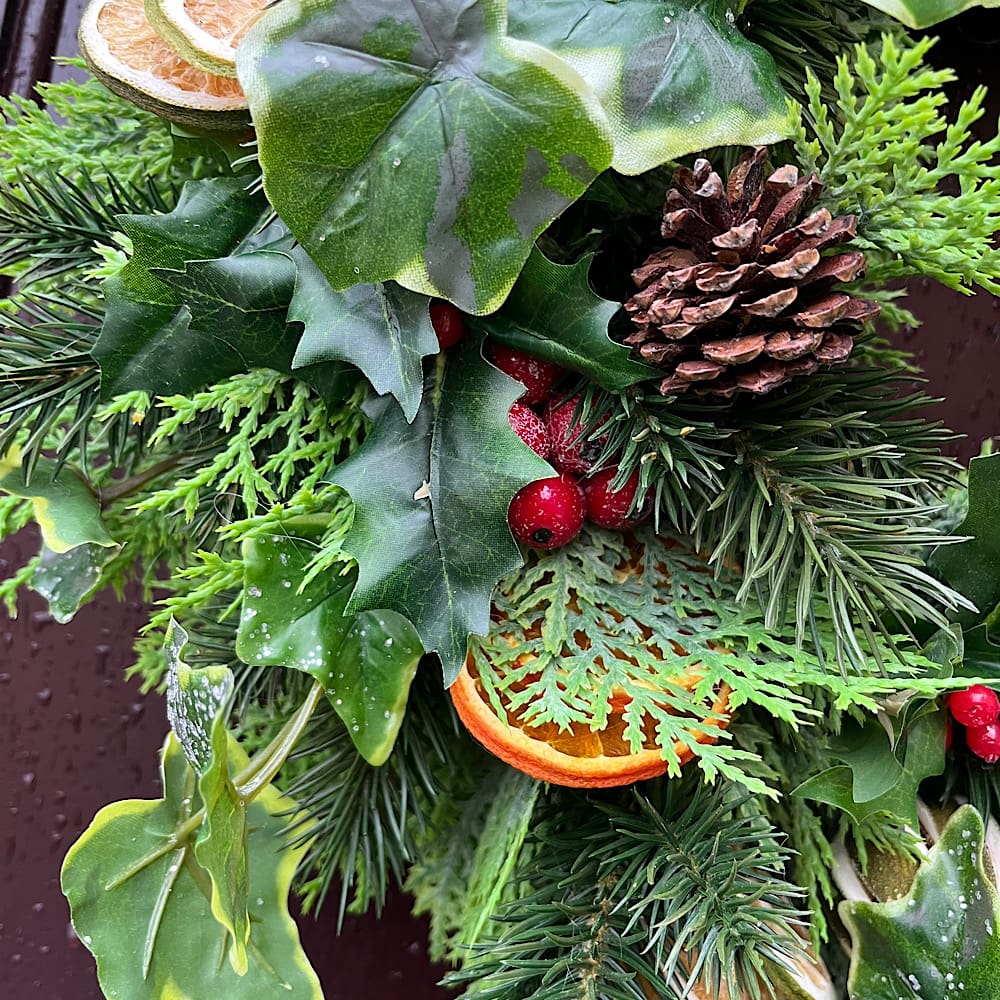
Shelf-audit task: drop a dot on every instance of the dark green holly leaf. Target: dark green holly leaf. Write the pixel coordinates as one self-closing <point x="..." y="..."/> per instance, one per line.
<point x="867" y="751"/>
<point x="67" y="580"/>
<point x="204" y="295"/>
<point x="858" y="789"/>
<point x="365" y="662"/>
<point x="417" y="142"/>
<point x="553" y="313"/>
<point x="430" y="529"/>
<point x="973" y="567"/>
<point x="383" y="329"/>
<point x="65" y="507"/>
<point x="673" y="79"/>
<point x="940" y="940"/>
<point x="140" y="901"/>
<point x="924" y="13"/>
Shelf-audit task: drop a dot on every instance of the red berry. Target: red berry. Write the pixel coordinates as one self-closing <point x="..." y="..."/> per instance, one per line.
<point x="606" y="507"/>
<point x="984" y="741"/>
<point x="547" y="513"/>
<point x="530" y="428"/>
<point x="975" y="706"/>
<point x="570" y="453"/>
<point x="536" y="375"/>
<point x="447" y="322"/>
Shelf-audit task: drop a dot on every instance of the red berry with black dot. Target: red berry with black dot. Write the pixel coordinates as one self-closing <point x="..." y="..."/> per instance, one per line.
<point x="547" y="513"/>
<point x="984" y="741"/>
<point x="975" y="706"/>
<point x="447" y="322"/>
<point x="530" y="428"/>
<point x="570" y="452"/>
<point x="608" y="507"/>
<point x="537" y="376"/>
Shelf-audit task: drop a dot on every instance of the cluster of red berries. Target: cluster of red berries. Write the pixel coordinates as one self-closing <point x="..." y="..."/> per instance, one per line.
<point x="549" y="512"/>
<point x="978" y="709"/>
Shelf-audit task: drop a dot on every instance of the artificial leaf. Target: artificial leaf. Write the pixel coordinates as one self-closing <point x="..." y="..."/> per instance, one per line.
<point x="553" y="313"/>
<point x="973" y="567"/>
<point x="435" y="149"/>
<point x="141" y="902"/>
<point x="65" y="508"/>
<point x="918" y="754"/>
<point x="673" y="79"/>
<point x="195" y="699"/>
<point x="430" y="530"/>
<point x="939" y="940"/>
<point x="924" y="13"/>
<point x="68" y="579"/>
<point x="867" y="751"/>
<point x="981" y="648"/>
<point x="383" y="329"/>
<point x="365" y="662"/>
<point x="204" y="295"/>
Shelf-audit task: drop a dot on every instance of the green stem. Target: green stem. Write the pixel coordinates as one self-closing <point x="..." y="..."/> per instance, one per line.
<point x="133" y="484"/>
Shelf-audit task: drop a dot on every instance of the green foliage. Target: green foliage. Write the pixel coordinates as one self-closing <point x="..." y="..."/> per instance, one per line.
<point x="938" y="940"/>
<point x="627" y="888"/>
<point x="430" y="530"/>
<point x="924" y="13"/>
<point x="887" y="154"/>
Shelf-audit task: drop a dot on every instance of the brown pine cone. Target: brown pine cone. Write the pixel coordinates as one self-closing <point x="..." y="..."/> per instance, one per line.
<point x="742" y="296"/>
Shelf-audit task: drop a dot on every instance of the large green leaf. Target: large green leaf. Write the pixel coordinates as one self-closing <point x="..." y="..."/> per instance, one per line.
<point x="416" y="141"/>
<point x="66" y="509"/>
<point x="383" y="329"/>
<point x="924" y="13"/>
<point x="553" y="313"/>
<point x="430" y="529"/>
<point x="940" y="940"/>
<point x="673" y="78"/>
<point x="365" y="662"/>
<point x="973" y="567"/>
<point x="141" y="902"/>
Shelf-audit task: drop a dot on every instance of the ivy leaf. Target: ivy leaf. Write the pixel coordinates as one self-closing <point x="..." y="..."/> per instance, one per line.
<point x="67" y="580"/>
<point x="673" y="79"/>
<point x="65" y="508"/>
<point x="140" y="901"/>
<point x="430" y="529"/>
<point x="973" y="567"/>
<point x="204" y="295"/>
<point x="442" y="148"/>
<point x="859" y="790"/>
<point x="924" y="13"/>
<point x="553" y="313"/>
<point x="383" y="329"/>
<point x="940" y="939"/>
<point x="365" y="662"/>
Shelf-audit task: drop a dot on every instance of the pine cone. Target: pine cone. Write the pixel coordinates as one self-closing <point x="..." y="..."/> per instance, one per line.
<point x="742" y="297"/>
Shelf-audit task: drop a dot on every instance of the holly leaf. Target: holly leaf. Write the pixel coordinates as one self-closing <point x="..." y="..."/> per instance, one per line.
<point x="553" y="313"/>
<point x="973" y="567"/>
<point x="673" y="80"/>
<point x="383" y="329"/>
<point x="430" y="531"/>
<point x="204" y="295"/>
<point x="924" y="13"/>
<point x="141" y="901"/>
<point x="939" y="940"/>
<point x="67" y="580"/>
<point x="857" y="787"/>
<point x="365" y="662"/>
<point x="64" y="506"/>
<point x="443" y="148"/>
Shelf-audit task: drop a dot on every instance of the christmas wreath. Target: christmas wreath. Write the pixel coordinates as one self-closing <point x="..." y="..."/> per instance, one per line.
<point x="493" y="399"/>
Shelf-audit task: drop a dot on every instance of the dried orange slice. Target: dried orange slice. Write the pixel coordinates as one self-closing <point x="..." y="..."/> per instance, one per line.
<point x="578" y="757"/>
<point x="205" y="33"/>
<point x="126" y="54"/>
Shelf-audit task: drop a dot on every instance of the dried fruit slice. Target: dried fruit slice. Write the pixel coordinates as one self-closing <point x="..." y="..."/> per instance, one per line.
<point x="205" y="33"/>
<point x="127" y="55"/>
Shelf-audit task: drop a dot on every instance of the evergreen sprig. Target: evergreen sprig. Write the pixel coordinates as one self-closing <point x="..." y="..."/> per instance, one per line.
<point x="926" y="194"/>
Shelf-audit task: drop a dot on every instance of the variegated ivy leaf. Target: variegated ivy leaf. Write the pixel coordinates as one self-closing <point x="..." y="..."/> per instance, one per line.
<point x="673" y="77"/>
<point x="417" y="141"/>
<point x="923" y="13"/>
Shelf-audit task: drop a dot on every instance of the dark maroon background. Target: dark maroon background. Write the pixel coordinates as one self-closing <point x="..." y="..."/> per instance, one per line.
<point x="74" y="736"/>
